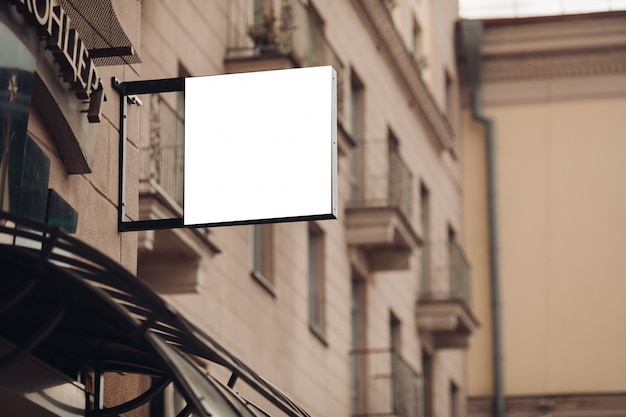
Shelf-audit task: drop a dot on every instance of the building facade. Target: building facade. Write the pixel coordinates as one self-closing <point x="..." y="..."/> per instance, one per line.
<point x="543" y="197"/>
<point x="365" y="315"/>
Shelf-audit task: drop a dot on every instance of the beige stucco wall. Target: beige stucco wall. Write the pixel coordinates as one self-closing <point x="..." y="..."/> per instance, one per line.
<point x="560" y="165"/>
<point x="269" y="333"/>
<point x="94" y="195"/>
<point x="560" y="171"/>
<point x="475" y="211"/>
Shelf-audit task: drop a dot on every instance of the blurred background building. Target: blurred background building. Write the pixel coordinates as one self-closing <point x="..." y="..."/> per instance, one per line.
<point x="544" y="143"/>
<point x="490" y="9"/>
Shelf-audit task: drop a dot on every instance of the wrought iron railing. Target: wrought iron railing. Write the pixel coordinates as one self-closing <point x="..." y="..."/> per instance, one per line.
<point x="384" y="384"/>
<point x="387" y="180"/>
<point x="290" y="28"/>
<point x="445" y="273"/>
<point x="162" y="158"/>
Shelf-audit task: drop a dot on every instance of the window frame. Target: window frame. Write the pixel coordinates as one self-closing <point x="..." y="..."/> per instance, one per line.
<point x="261" y="255"/>
<point x="316" y="278"/>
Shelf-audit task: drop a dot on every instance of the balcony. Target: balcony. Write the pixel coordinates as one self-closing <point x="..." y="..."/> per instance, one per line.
<point x="162" y="158"/>
<point x="171" y="252"/>
<point x="384" y="384"/>
<point x="443" y="309"/>
<point x="378" y="215"/>
<point x="279" y="35"/>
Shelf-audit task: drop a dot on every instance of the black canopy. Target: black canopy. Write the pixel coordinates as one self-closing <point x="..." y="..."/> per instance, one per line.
<point x="66" y="303"/>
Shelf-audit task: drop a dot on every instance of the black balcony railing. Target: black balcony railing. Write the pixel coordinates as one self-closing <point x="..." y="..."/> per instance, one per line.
<point x="386" y="182"/>
<point x="290" y="28"/>
<point x="162" y="158"/>
<point x="384" y="384"/>
<point x="445" y="273"/>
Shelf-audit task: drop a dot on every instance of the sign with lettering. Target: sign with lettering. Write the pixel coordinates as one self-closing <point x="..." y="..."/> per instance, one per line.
<point x="69" y="50"/>
<point x="261" y="146"/>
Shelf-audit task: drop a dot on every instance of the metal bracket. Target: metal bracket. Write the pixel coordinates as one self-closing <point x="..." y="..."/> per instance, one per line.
<point x="126" y="89"/>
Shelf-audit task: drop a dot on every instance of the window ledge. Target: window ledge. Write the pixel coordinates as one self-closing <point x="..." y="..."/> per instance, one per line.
<point x="450" y="322"/>
<point x="383" y="234"/>
<point x="264" y="283"/>
<point x="319" y="334"/>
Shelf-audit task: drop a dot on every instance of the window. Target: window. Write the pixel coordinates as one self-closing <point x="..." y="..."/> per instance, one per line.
<point x="179" y="147"/>
<point x="394" y="184"/>
<point x="357" y="128"/>
<point x="394" y="333"/>
<point x="316" y="274"/>
<point x="452" y="104"/>
<point x="259" y="10"/>
<point x="452" y="263"/>
<point x="358" y="312"/>
<point x="262" y="255"/>
<point x="262" y="30"/>
<point x="425" y="225"/>
<point x="425" y="211"/>
<point x="400" y="178"/>
<point x="448" y="91"/>
<point x="357" y="363"/>
<point x="427" y="381"/>
<point x="317" y="40"/>
<point x="396" y="382"/>
<point x="454" y="400"/>
<point x="416" y="44"/>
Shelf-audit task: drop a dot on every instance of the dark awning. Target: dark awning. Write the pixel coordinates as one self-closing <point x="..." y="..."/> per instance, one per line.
<point x="100" y="29"/>
<point x="69" y="305"/>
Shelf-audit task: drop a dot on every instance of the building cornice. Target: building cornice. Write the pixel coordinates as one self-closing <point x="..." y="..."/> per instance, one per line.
<point x="559" y="65"/>
<point x="570" y="404"/>
<point x="403" y="63"/>
<point x="590" y="45"/>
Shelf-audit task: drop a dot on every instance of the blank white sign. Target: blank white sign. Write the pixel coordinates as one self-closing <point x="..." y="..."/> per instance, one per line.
<point x="261" y="146"/>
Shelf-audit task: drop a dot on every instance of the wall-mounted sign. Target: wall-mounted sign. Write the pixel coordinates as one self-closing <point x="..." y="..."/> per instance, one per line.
<point x="69" y="50"/>
<point x="261" y="146"/>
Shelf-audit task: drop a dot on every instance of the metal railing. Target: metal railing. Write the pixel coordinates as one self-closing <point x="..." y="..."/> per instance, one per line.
<point x="387" y="180"/>
<point x="292" y="29"/>
<point x="445" y="273"/>
<point x="162" y="158"/>
<point x="384" y="384"/>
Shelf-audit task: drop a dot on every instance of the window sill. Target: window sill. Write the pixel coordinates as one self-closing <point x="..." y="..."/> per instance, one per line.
<point x="264" y="283"/>
<point x="318" y="333"/>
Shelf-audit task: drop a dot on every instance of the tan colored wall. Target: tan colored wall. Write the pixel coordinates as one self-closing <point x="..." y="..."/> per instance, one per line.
<point x="95" y="194"/>
<point x="560" y="171"/>
<point x="560" y="157"/>
<point x="475" y="209"/>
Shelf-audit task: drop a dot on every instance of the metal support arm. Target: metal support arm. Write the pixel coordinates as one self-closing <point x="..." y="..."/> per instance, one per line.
<point x="126" y="89"/>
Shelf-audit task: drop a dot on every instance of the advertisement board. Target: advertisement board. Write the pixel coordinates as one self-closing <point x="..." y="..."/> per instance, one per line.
<point x="261" y="146"/>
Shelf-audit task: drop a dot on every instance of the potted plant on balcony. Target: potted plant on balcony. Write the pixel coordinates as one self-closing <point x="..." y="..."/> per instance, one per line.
<point x="263" y="34"/>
